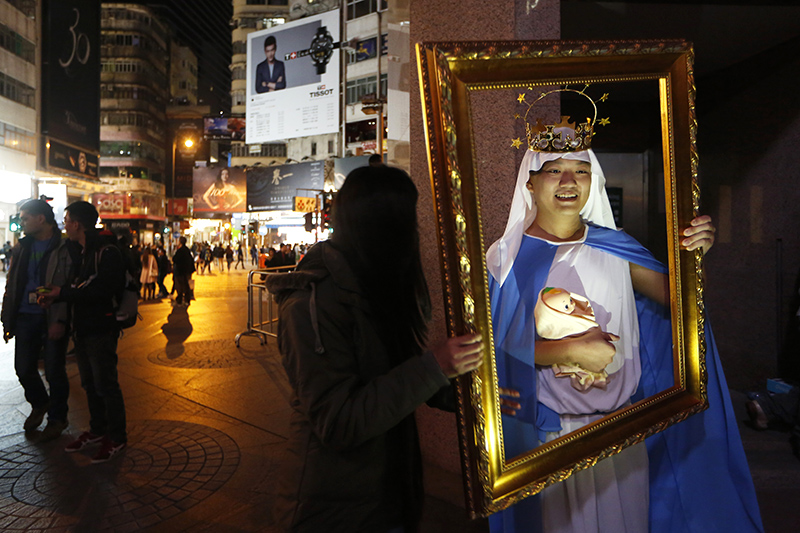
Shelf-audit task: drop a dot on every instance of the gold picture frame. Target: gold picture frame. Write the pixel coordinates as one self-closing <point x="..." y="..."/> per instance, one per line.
<point x="449" y="73"/>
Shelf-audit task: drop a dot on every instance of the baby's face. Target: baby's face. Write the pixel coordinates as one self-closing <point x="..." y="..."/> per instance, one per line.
<point x="560" y="301"/>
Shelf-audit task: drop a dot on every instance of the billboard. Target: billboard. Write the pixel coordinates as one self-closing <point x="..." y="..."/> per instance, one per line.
<point x="219" y="190"/>
<point x="293" y="79"/>
<point x="342" y="166"/>
<point x="68" y="159"/>
<point x="70" y="106"/>
<point x="224" y="128"/>
<point x="274" y="188"/>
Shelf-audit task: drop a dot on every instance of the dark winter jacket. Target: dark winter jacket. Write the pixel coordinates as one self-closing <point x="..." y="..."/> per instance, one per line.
<point x="98" y="279"/>
<point x="55" y="272"/>
<point x="182" y="262"/>
<point x="353" y="462"/>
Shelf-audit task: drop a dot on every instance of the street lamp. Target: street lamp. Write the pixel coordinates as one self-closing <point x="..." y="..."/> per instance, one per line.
<point x="188" y="142"/>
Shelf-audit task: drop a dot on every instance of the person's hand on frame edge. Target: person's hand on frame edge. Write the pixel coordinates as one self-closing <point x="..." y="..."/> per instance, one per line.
<point x="459" y="355"/>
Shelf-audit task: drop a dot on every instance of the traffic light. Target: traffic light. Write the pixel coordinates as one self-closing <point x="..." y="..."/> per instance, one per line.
<point x="253" y="226"/>
<point x="309" y="223"/>
<point x="325" y="214"/>
<point x="14" y="224"/>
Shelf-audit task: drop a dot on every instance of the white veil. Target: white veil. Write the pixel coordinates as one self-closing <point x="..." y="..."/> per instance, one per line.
<point x="501" y="254"/>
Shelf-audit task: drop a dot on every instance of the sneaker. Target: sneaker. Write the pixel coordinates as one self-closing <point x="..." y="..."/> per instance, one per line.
<point x="52" y="430"/>
<point x="82" y="442"/>
<point x="108" y="450"/>
<point x="36" y="417"/>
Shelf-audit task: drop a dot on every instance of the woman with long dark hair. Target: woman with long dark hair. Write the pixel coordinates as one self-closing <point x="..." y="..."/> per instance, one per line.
<point x="352" y="335"/>
<point x="222" y="194"/>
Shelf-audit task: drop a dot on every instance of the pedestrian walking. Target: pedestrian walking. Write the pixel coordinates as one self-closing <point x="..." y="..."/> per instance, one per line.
<point x="35" y="328"/>
<point x="182" y="269"/>
<point x="164" y="268"/>
<point x="229" y="256"/>
<point x="239" y="257"/>
<point x="98" y="280"/>
<point x="149" y="274"/>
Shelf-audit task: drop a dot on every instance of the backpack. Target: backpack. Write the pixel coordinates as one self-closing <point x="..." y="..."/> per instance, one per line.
<point x="127" y="309"/>
<point x="126" y="305"/>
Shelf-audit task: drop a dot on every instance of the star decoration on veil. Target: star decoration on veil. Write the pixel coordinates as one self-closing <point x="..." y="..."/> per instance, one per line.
<point x="516" y="143"/>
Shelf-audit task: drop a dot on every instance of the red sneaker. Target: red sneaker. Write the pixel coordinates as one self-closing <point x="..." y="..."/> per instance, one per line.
<point x="108" y="450"/>
<point x="86" y="438"/>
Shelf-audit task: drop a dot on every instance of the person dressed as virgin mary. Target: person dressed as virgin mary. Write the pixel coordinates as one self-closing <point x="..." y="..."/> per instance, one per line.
<point x="561" y="233"/>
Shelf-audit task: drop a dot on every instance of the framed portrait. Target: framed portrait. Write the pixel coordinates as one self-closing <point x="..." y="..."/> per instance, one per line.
<point x="479" y="102"/>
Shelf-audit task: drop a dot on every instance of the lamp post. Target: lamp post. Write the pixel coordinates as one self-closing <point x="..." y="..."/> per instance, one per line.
<point x="188" y="142"/>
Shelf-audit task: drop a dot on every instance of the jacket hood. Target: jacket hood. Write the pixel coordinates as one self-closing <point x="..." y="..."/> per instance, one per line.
<point x="320" y="261"/>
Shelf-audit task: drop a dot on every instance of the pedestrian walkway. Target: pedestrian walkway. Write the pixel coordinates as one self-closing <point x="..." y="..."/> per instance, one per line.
<point x="208" y="424"/>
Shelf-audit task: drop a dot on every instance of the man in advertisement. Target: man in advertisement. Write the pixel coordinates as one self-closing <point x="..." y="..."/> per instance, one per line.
<point x="270" y="73"/>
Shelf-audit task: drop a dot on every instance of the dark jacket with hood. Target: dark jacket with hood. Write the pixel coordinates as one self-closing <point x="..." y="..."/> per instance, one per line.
<point x="353" y="462"/>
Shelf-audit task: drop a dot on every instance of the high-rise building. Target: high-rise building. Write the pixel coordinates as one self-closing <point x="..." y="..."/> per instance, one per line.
<point x="18" y="82"/>
<point x="134" y="91"/>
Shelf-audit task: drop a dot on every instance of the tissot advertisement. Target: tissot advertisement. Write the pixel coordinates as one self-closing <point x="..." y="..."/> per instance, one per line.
<point x="274" y="188"/>
<point x="219" y="190"/>
<point x="71" y="72"/>
<point x="293" y="79"/>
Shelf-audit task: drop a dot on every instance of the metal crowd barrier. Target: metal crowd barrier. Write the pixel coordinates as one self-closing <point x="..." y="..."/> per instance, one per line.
<point x="262" y="314"/>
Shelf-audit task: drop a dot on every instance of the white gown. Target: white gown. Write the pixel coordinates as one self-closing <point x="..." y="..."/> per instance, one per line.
<point x="617" y="485"/>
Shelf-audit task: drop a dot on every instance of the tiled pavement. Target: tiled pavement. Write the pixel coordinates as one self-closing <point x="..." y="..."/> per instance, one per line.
<point x="207" y="425"/>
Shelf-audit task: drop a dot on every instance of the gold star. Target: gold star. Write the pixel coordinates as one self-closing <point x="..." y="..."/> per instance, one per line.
<point x="516" y="143"/>
<point x="521" y="97"/>
<point x="603" y="98"/>
<point x="604" y="121"/>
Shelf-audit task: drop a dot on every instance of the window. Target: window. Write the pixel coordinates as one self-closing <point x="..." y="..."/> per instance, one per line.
<point x="313" y="148"/>
<point x="359" y="8"/>
<point x="17" y="44"/>
<point x="238" y="97"/>
<point x="239" y="73"/>
<point x="240" y="47"/>
<point x="16" y="90"/>
<point x="28" y="7"/>
<point x="17" y="138"/>
<point x="357" y="89"/>
<point x="258" y="150"/>
<point x="330" y="147"/>
<point x="364" y="130"/>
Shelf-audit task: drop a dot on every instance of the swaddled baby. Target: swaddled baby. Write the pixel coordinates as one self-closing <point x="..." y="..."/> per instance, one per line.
<point x="560" y="314"/>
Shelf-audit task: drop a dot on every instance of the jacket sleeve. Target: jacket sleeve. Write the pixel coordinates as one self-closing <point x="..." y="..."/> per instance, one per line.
<point x="10" y="304"/>
<point x="109" y="282"/>
<point x="343" y="410"/>
<point x="57" y="273"/>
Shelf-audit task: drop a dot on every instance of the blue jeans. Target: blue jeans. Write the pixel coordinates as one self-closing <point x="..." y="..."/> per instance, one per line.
<point x="31" y="334"/>
<point x="97" y="364"/>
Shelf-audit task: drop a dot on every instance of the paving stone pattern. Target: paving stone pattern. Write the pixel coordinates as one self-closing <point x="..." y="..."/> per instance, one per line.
<point x="201" y="355"/>
<point x="168" y="468"/>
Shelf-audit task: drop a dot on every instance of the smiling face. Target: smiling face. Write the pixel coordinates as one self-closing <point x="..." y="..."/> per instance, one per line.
<point x="561" y="188"/>
<point x="223" y="175"/>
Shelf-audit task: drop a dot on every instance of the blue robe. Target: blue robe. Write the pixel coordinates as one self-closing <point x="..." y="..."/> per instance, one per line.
<point x="699" y="477"/>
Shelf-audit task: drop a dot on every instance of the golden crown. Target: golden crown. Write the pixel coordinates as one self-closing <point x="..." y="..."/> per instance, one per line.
<point x="565" y="136"/>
